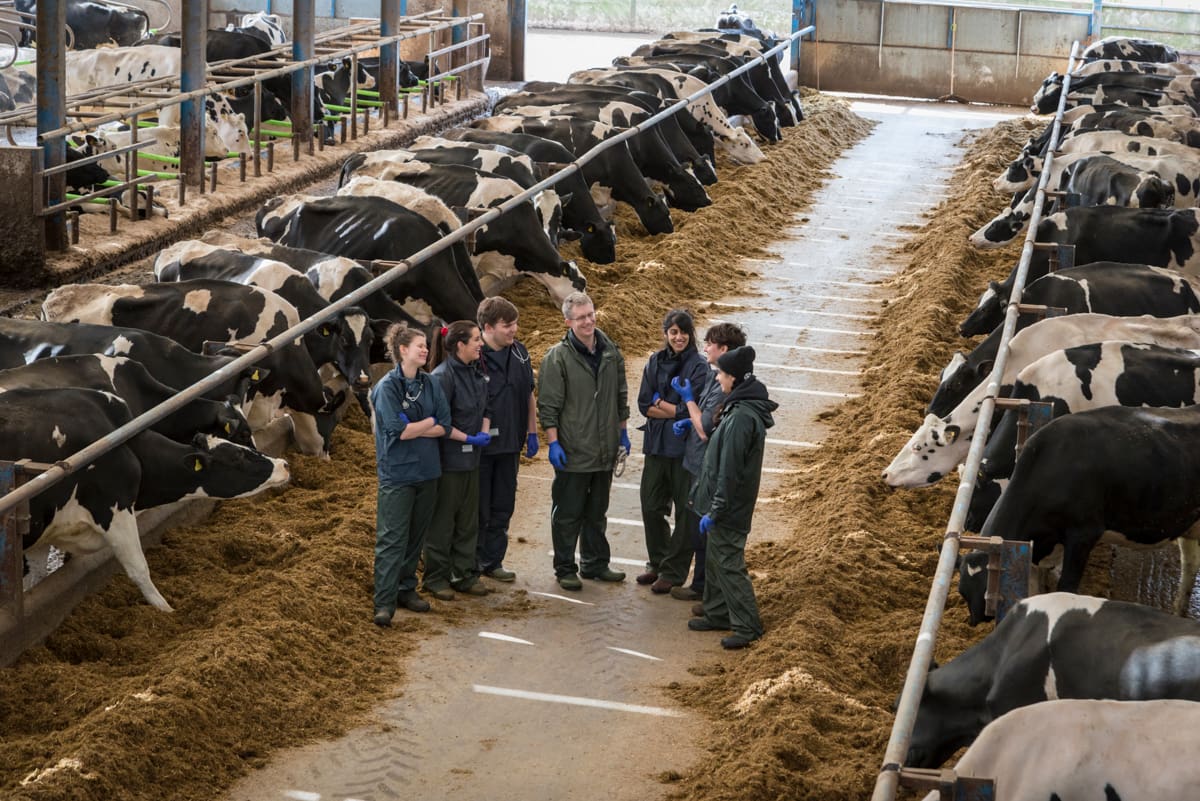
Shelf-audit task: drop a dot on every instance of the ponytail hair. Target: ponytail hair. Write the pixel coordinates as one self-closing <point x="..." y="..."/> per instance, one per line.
<point x="446" y="341"/>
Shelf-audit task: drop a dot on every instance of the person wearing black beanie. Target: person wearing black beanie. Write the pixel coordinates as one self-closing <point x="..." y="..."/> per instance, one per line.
<point x="725" y="494"/>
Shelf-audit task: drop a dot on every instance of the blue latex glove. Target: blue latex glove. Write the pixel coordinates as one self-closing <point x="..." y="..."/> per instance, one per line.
<point x="684" y="388"/>
<point x="404" y="418"/>
<point x="558" y="456"/>
<point x="654" y="401"/>
<point x="479" y="440"/>
<point x="705" y="524"/>
<point x="625" y="441"/>
<point x="531" y="445"/>
<point x="680" y="428"/>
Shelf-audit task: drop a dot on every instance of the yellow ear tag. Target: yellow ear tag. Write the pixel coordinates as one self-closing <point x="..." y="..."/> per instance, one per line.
<point x="227" y="428"/>
<point x="254" y="376"/>
<point x="198" y="466"/>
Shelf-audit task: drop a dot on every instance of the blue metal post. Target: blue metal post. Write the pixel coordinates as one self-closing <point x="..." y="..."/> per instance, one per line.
<point x="798" y="9"/>
<point x="194" y="26"/>
<point x="459" y="32"/>
<point x="11" y="566"/>
<point x="52" y="108"/>
<point x="389" y="55"/>
<point x="1095" y="25"/>
<point x="303" y="14"/>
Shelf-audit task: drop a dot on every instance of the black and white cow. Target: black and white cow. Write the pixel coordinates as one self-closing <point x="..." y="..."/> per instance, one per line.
<point x="747" y="46"/>
<point x="1159" y="237"/>
<point x="1058" y="645"/>
<point x="1147" y="135"/>
<point x="687" y="139"/>
<point x="1110" y="750"/>
<point x="505" y="248"/>
<point x="373" y="228"/>
<point x="1119" y="179"/>
<point x="95" y="23"/>
<point x="97" y="506"/>
<point x="941" y="443"/>
<point x="1131" y="49"/>
<point x="241" y="100"/>
<point x="1128" y="476"/>
<point x="1118" y="65"/>
<point x="1124" y="89"/>
<point x="648" y="148"/>
<point x="1118" y="288"/>
<point x="671" y="86"/>
<point x="614" y="169"/>
<point x="193" y="312"/>
<point x="132" y="382"/>
<point x="735" y="97"/>
<point x="267" y="26"/>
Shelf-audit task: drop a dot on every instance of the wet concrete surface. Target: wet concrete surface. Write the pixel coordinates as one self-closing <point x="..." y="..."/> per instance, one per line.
<point x="568" y="701"/>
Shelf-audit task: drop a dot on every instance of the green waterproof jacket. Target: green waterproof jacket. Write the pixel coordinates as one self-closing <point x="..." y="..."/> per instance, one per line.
<point x="586" y="407"/>
<point x="727" y="486"/>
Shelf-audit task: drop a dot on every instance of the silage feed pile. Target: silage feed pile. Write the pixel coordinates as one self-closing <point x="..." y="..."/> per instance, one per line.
<point x="272" y="643"/>
<point x="806" y="713"/>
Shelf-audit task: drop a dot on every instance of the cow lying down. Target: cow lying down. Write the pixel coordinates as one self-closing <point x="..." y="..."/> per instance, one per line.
<point x="1050" y="647"/>
<point x="1077" y="749"/>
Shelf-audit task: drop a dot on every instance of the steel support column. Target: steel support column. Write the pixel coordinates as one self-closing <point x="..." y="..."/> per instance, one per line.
<point x="52" y="109"/>
<point x="389" y="55"/>
<point x="516" y="39"/>
<point x="194" y="28"/>
<point x="302" y="80"/>
<point x="1095" y="26"/>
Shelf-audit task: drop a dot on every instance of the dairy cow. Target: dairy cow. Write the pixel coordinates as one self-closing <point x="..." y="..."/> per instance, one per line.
<point x="1049" y="647"/>
<point x="502" y="250"/>
<point x="614" y="169"/>
<point x="373" y="228"/>
<point x="671" y="86"/>
<point x="1129" y="48"/>
<point x="97" y="506"/>
<point x="1118" y="65"/>
<point x="748" y="46"/>
<point x="269" y="27"/>
<point x="1111" y="750"/>
<point x="1159" y="237"/>
<point x="193" y="312"/>
<point x="1079" y="482"/>
<point x="1121" y="89"/>
<point x="95" y="23"/>
<point x="1119" y="179"/>
<point x="132" y="382"/>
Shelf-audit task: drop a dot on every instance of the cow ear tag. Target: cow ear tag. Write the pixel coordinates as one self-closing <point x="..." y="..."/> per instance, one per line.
<point x="254" y="377"/>
<point x="951" y="433"/>
<point x="227" y="431"/>
<point x="324" y="330"/>
<point x="198" y="466"/>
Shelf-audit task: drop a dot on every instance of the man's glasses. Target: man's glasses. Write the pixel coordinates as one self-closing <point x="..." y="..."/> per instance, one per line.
<point x="589" y="316"/>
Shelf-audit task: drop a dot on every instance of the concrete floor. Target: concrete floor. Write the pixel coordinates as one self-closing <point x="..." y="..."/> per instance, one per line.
<point x="568" y="701"/>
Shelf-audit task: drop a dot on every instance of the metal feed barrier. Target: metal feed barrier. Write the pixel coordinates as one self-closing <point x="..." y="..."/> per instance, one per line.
<point x="1008" y="562"/>
<point x="12" y="623"/>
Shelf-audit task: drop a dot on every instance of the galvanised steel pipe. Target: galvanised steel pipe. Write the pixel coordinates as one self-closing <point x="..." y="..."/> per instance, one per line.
<point x="887" y="782"/>
<point x="193" y="76"/>
<point x="389" y="55"/>
<point x="82" y="458"/>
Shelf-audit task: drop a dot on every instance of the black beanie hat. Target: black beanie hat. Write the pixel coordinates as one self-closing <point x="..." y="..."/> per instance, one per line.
<point x="738" y="363"/>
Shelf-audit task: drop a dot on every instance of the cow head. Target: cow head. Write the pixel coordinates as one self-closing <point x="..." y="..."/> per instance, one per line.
<point x="1153" y="192"/>
<point x="1004" y="227"/>
<point x="599" y="243"/>
<point x="936" y="448"/>
<point x="949" y="717"/>
<point x="958" y="379"/>
<point x="972" y="585"/>
<point x="1045" y="100"/>
<point x="232" y="425"/>
<point x="1020" y="175"/>
<point x="221" y="469"/>
<point x="988" y="314"/>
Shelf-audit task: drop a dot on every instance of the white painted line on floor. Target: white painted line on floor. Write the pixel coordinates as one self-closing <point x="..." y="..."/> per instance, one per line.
<point x="625" y="521"/>
<point x="844" y="315"/>
<point x="615" y="560"/>
<point x="575" y="700"/>
<point x="562" y="598"/>
<point x="792" y="443"/>
<point x="491" y="635"/>
<point x="838" y="298"/>
<point x="817" y="392"/>
<point x="823" y="330"/>
<point x="896" y="182"/>
<point x="858" y="284"/>
<point x="812" y="349"/>
<point x="781" y="469"/>
<point x="638" y="654"/>
<point x="302" y="795"/>
<point x="807" y="369"/>
<point x="898" y="234"/>
<point x="844" y="269"/>
<point x="831" y="228"/>
<point x="803" y="238"/>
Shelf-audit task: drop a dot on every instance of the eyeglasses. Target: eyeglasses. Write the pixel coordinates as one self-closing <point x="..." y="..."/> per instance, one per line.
<point x="589" y="316"/>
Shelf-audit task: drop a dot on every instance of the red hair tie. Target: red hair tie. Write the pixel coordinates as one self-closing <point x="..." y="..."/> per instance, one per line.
<point x="445" y="330"/>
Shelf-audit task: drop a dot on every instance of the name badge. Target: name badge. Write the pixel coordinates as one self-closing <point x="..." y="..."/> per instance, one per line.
<point x="468" y="448"/>
<point x="495" y="432"/>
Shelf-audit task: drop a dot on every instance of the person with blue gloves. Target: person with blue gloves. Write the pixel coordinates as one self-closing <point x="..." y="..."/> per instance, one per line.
<point x="409" y="415"/>
<point x="514" y="426"/>
<point x="450" y="544"/>
<point x="664" y="482"/>
<point x="583" y="403"/>
<point x="725" y="494"/>
<point x="701" y="400"/>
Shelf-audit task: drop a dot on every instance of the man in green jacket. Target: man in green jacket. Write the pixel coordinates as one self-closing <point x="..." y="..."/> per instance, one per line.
<point x="583" y="403"/>
<point x="725" y="494"/>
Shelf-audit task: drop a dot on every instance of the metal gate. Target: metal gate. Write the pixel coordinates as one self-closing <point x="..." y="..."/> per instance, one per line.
<point x="963" y="51"/>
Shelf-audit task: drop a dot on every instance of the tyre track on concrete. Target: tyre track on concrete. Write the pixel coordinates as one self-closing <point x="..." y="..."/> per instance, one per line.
<point x="542" y="708"/>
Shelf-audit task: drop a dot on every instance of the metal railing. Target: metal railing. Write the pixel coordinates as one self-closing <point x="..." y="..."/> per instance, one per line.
<point x="889" y="778"/>
<point x="392" y="272"/>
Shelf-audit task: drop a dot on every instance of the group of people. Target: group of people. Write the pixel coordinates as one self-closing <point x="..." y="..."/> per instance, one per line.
<point x="448" y="446"/>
